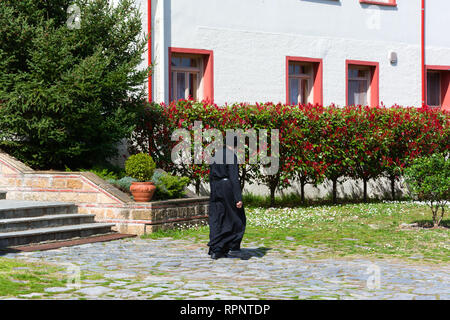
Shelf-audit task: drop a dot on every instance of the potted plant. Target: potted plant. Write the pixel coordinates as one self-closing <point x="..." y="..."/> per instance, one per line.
<point x="141" y="168"/>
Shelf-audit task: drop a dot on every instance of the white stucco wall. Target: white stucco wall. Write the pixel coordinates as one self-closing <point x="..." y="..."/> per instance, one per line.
<point x="437" y="32"/>
<point x="252" y="38"/>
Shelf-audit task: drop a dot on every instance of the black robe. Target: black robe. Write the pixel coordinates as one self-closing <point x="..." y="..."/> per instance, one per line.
<point x="226" y="222"/>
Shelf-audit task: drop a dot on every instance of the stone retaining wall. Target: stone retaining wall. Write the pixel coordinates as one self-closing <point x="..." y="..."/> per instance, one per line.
<point x="93" y="195"/>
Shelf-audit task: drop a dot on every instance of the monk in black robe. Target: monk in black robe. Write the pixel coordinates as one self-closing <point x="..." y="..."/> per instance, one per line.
<point x="227" y="219"/>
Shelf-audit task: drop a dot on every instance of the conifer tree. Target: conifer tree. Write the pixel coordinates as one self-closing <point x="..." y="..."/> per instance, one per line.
<point x="71" y="86"/>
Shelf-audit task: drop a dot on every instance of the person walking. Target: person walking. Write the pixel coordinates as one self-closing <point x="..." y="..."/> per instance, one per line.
<point x="227" y="219"/>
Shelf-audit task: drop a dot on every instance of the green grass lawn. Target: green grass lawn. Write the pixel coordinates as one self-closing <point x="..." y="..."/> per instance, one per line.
<point x="18" y="278"/>
<point x="369" y="230"/>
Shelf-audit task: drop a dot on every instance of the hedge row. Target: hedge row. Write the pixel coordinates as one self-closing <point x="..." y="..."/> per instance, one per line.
<point x="317" y="142"/>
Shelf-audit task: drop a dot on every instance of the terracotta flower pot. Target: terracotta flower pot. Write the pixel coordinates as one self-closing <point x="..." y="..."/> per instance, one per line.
<point x="143" y="191"/>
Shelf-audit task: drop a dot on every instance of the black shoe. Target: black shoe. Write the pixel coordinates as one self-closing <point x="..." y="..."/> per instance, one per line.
<point x="218" y="255"/>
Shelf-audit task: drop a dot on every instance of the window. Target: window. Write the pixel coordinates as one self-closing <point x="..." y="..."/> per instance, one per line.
<point x="438" y="86"/>
<point x="358" y="85"/>
<point x="303" y="80"/>
<point x="392" y="3"/>
<point x="362" y="83"/>
<point x="191" y="74"/>
<point x="433" y="88"/>
<point x="186" y="77"/>
<point x="300" y="83"/>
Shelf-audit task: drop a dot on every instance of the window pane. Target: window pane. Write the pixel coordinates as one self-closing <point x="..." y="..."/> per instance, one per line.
<point x="298" y="69"/>
<point x="357" y="92"/>
<point x="293" y="90"/>
<point x="188" y="62"/>
<point x="291" y="68"/>
<point x="433" y="89"/>
<point x="305" y="93"/>
<point x="187" y="73"/>
<point x="181" y="86"/>
<point x="193" y="86"/>
<point x="185" y="62"/>
<point x="362" y="73"/>
<point x="354" y="73"/>
<point x="176" y="62"/>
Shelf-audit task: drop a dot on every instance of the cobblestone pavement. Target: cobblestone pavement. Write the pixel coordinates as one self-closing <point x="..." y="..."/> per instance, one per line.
<point x="180" y="269"/>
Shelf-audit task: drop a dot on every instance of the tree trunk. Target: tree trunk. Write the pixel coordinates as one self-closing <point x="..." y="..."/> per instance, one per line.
<point x="334" y="191"/>
<point x="365" y="189"/>
<point x="243" y="176"/>
<point x="273" y="185"/>
<point x="392" y="178"/>
<point x="302" y="189"/>
<point x="197" y="186"/>
<point x="272" y="195"/>
<point x="437" y="218"/>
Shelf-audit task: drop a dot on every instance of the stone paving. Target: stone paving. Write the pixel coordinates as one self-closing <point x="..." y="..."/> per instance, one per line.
<point x="181" y="269"/>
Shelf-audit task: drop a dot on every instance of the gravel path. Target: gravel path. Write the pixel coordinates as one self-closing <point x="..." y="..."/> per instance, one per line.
<point x="180" y="269"/>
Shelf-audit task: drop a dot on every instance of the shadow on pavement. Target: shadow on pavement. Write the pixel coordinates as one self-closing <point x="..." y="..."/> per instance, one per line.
<point x="247" y="254"/>
<point x="5" y="251"/>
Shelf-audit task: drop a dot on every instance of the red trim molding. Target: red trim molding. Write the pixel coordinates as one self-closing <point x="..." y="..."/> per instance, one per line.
<point x="208" y="71"/>
<point x="391" y="3"/>
<point x="10" y="167"/>
<point x="445" y="84"/>
<point x="424" y="72"/>
<point x="318" y="77"/>
<point x="150" y="58"/>
<point x="374" y="83"/>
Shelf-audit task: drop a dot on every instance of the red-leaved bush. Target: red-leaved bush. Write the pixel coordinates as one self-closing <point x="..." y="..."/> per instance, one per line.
<point x="316" y="142"/>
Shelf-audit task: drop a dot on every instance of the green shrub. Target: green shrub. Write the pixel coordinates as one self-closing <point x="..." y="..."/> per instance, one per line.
<point x="140" y="167"/>
<point x="317" y="143"/>
<point x="429" y="180"/>
<point x="168" y="186"/>
<point x="106" y="172"/>
<point x="123" y="184"/>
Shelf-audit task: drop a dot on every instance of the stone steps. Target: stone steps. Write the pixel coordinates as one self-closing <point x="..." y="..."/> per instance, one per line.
<point x="56" y="220"/>
<point x="10" y="209"/>
<point x="28" y="222"/>
<point x="11" y="239"/>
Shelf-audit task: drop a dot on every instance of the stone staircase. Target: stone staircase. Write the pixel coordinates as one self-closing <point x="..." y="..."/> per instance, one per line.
<point x="28" y="223"/>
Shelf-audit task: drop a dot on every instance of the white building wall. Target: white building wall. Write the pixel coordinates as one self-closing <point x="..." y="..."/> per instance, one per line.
<point x="252" y="38"/>
<point x="437" y="32"/>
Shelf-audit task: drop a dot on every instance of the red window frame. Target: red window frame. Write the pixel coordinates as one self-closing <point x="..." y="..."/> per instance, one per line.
<point x="445" y="84"/>
<point x="374" y="99"/>
<point x="208" y="70"/>
<point x="391" y="3"/>
<point x="317" y="75"/>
